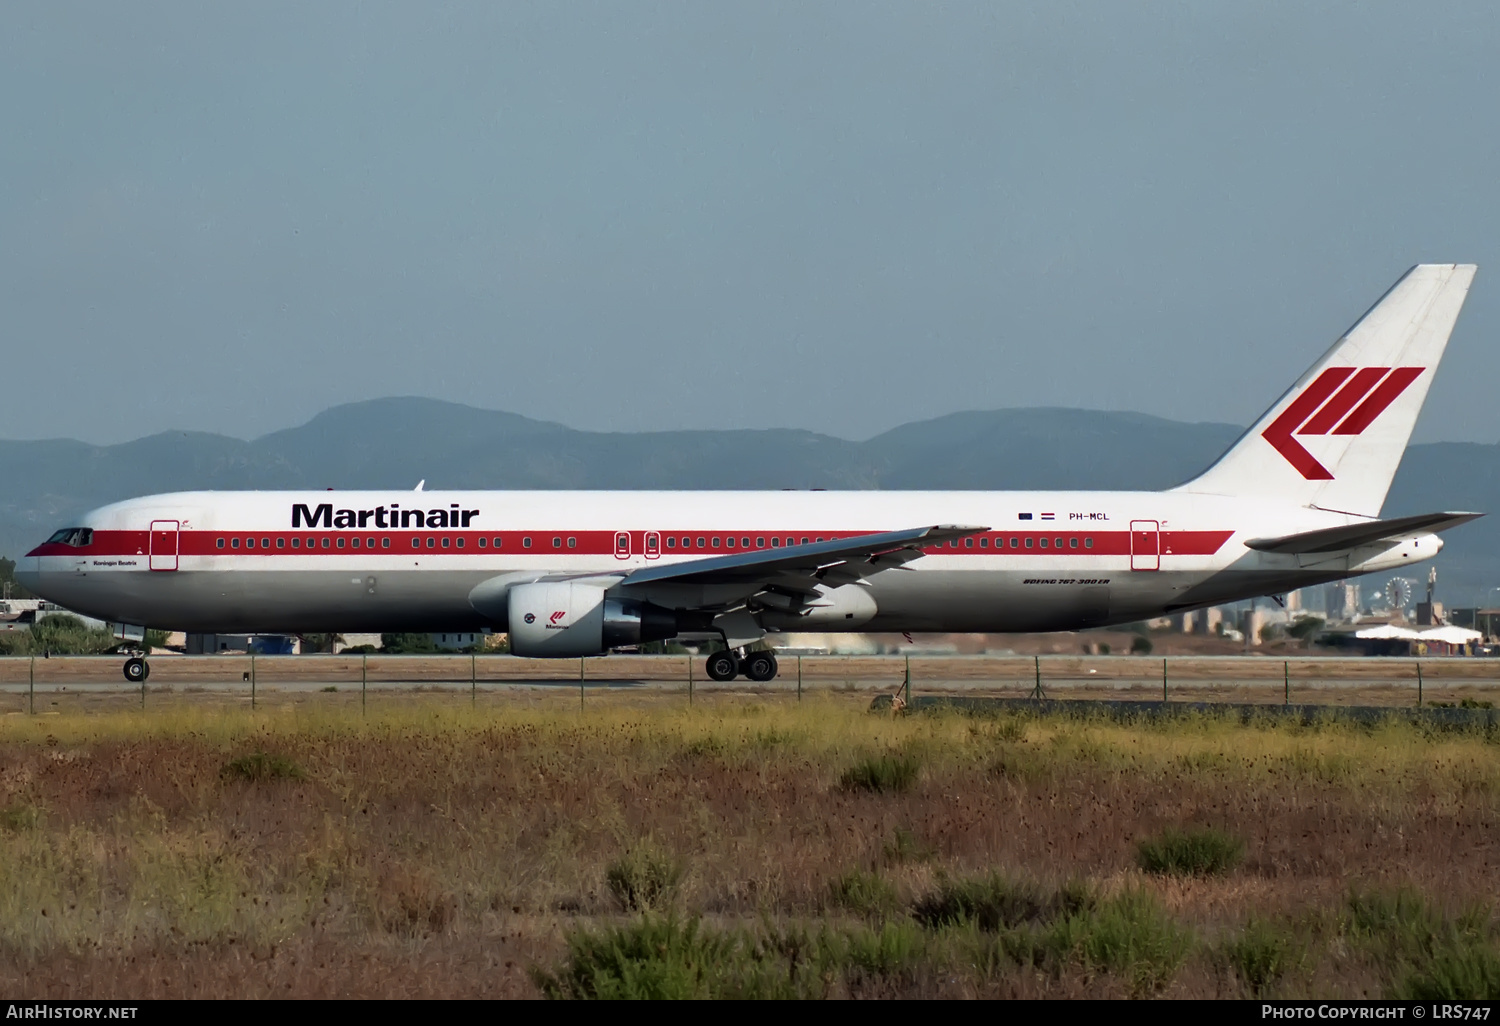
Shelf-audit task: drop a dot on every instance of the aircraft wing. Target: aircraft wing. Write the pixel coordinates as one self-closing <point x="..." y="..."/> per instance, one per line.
<point x="1332" y="539"/>
<point x="801" y="568"/>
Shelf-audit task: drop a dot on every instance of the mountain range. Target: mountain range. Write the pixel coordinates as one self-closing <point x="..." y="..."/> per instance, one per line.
<point x="394" y="443"/>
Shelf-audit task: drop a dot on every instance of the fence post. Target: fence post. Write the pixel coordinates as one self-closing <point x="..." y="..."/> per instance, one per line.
<point x="1286" y="681"/>
<point x="473" y="680"/>
<point x="252" y="680"/>
<point x="1037" y="691"/>
<point x="580" y="683"/>
<point x="690" y="679"/>
<point x="908" y="680"/>
<point x="1419" y="685"/>
<point x="364" y="676"/>
<point x="31" y="688"/>
<point x="799" y="678"/>
<point x="1164" y="679"/>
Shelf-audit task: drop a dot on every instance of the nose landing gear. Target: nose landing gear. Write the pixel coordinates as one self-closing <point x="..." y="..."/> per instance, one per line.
<point x="137" y="670"/>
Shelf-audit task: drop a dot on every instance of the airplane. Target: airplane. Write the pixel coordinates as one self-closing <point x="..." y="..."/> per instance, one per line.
<point x="1294" y="502"/>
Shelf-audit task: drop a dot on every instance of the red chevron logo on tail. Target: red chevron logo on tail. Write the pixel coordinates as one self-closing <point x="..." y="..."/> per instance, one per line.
<point x="1340" y="401"/>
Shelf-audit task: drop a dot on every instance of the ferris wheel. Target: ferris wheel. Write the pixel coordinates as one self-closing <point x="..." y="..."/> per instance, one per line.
<point x="1398" y="591"/>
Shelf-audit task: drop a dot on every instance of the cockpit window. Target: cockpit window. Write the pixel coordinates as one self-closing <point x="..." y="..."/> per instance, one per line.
<point x="78" y="537"/>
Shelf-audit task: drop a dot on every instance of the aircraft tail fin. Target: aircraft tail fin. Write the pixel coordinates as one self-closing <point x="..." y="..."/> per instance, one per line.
<point x="1335" y="439"/>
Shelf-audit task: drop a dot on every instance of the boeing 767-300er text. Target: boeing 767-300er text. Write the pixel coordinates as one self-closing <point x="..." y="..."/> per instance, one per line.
<point x="1294" y="502"/>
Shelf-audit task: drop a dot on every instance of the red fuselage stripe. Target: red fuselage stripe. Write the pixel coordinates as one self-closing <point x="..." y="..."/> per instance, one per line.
<point x="1029" y="542"/>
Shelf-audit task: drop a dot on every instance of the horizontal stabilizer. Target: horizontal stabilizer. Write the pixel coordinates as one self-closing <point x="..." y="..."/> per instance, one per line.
<point x="1371" y="532"/>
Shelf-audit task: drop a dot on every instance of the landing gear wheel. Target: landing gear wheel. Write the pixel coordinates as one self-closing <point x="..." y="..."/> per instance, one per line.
<point x="137" y="670"/>
<point x="723" y="666"/>
<point x="759" y="666"/>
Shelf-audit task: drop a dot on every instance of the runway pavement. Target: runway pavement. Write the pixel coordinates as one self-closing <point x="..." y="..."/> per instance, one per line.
<point x="1353" y="681"/>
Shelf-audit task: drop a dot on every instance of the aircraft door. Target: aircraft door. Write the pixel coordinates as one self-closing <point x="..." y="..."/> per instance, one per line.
<point x="622" y="544"/>
<point x="653" y="544"/>
<point x="163" y="548"/>
<point x="1145" y="545"/>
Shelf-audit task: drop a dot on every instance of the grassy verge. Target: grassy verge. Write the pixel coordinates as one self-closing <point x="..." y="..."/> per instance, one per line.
<point x="522" y="846"/>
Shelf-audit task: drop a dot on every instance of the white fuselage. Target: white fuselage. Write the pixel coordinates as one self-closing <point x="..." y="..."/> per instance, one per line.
<point x="369" y="561"/>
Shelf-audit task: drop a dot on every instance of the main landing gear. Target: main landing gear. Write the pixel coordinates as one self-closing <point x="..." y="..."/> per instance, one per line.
<point x="756" y="666"/>
<point x="137" y="670"/>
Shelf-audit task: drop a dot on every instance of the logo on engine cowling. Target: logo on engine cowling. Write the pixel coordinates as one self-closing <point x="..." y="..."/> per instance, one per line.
<point x="552" y="621"/>
<point x="530" y="618"/>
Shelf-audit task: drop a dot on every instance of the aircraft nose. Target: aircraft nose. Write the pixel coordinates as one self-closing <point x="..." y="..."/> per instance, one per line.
<point x="28" y="573"/>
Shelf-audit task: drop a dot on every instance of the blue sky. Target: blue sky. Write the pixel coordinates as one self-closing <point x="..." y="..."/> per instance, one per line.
<point x="837" y="216"/>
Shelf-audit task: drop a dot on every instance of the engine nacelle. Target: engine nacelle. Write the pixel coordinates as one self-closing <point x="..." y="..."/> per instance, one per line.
<point x="568" y="619"/>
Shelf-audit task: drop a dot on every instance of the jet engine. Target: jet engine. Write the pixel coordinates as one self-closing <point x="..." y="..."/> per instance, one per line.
<point x="568" y="619"/>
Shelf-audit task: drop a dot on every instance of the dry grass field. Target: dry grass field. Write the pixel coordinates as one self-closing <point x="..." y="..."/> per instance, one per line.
<point x="741" y="846"/>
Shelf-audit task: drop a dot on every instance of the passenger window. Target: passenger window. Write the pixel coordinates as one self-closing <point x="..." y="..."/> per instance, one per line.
<point x="341" y="541"/>
<point x="557" y="543"/>
<point x="744" y="543"/>
<point x="281" y="543"/>
<point x="526" y="542"/>
<point x="445" y="543"/>
<point x="416" y="543"/>
<point x="432" y="543"/>
<point x="984" y="543"/>
<point x="1044" y="543"/>
<point x="968" y="543"/>
<point x="325" y="543"/>
<point x="716" y="542"/>
<point x="760" y="543"/>
<point x="234" y="543"/>
<point x="482" y="542"/>
<point x="700" y="543"/>
<point x="1028" y="543"/>
<point x="219" y="543"/>
<point x="249" y="543"/>
<point x="354" y="543"/>
<point x="1072" y="543"/>
<point x="572" y="543"/>
<point x="385" y="543"/>
<point x="775" y="543"/>
<point x="1088" y="543"/>
<point x="804" y="541"/>
<point x="296" y="543"/>
<point x="497" y="543"/>
<point x="671" y="542"/>
<point x="265" y="543"/>
<point x="460" y="543"/>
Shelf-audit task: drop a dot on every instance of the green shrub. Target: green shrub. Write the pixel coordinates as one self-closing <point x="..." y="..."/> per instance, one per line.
<point x="1262" y="954"/>
<point x="882" y="773"/>
<point x="653" y="959"/>
<point x="1129" y="935"/>
<point x="259" y="766"/>
<point x="864" y="893"/>
<point x="1454" y="972"/>
<point x="893" y="949"/>
<point x="995" y="902"/>
<point x="1197" y="851"/>
<point x="20" y="817"/>
<point x="1426" y="955"/>
<point x="1140" y="645"/>
<point x="643" y="878"/>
